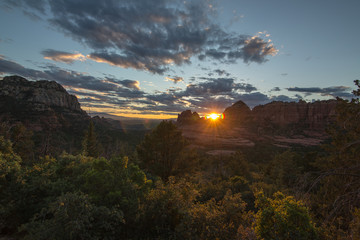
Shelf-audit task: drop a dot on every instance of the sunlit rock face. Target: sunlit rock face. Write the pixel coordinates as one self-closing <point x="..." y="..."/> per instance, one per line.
<point x="239" y="112"/>
<point x="188" y="117"/>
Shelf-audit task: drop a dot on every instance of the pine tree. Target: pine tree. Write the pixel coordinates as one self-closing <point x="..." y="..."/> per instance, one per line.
<point x="91" y="146"/>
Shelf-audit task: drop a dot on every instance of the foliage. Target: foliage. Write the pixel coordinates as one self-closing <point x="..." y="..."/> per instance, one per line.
<point x="10" y="180"/>
<point x="336" y="189"/>
<point x="115" y="182"/>
<point x="283" y="218"/>
<point x="91" y="146"/>
<point x="73" y="216"/>
<point x="171" y="211"/>
<point x="160" y="151"/>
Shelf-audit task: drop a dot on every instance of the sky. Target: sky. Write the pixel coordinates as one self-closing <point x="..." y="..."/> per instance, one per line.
<point x="157" y="58"/>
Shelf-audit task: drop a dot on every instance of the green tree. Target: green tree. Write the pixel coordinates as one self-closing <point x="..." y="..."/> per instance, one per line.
<point x="73" y="216"/>
<point x="283" y="218"/>
<point x="161" y="150"/>
<point x="10" y="182"/>
<point x="116" y="182"/>
<point x="91" y="147"/>
<point x="336" y="188"/>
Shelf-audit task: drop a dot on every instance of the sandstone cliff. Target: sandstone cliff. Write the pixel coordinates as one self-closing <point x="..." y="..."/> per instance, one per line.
<point x="314" y="116"/>
<point x="39" y="105"/>
<point x="43" y="95"/>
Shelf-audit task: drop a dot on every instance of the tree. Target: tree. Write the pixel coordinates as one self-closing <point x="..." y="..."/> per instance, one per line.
<point x="10" y="181"/>
<point x="73" y="216"/>
<point x="160" y="151"/>
<point x="283" y="218"/>
<point x="336" y="189"/>
<point x="91" y="146"/>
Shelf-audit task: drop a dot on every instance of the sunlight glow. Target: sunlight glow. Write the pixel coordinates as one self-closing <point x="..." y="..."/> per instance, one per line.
<point x="214" y="116"/>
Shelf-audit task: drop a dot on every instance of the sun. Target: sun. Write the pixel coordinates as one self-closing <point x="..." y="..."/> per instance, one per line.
<point x="214" y="116"/>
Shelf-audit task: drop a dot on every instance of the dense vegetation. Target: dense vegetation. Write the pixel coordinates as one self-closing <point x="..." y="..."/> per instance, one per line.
<point x="165" y="190"/>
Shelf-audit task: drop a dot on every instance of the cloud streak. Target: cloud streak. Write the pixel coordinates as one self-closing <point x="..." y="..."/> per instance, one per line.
<point x="60" y="56"/>
<point x="336" y="91"/>
<point x="175" y="79"/>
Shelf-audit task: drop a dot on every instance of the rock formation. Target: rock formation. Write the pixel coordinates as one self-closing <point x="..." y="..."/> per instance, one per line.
<point x="239" y="112"/>
<point x="43" y="95"/>
<point x="40" y="105"/>
<point x="282" y="124"/>
<point x="314" y="116"/>
<point x="188" y="117"/>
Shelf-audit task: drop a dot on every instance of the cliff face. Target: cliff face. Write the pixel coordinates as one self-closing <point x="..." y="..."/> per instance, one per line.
<point x="315" y="115"/>
<point x="39" y="105"/>
<point x="43" y="95"/>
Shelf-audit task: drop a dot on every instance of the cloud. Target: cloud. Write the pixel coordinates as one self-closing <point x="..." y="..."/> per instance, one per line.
<point x="175" y="79"/>
<point x="254" y="49"/>
<point x="124" y="95"/>
<point x="214" y="86"/>
<point x="150" y="35"/>
<point x="214" y="94"/>
<point x="60" y="56"/>
<point x="275" y="89"/>
<point x="336" y="91"/>
<point x="73" y="79"/>
<point x="10" y="67"/>
<point x="221" y="72"/>
<point x="132" y="84"/>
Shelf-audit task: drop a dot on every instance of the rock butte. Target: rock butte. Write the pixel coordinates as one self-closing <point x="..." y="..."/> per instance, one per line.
<point x="283" y="124"/>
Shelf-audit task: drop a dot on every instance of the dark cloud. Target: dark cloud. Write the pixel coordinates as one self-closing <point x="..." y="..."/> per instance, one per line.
<point x="10" y="67"/>
<point x="284" y="98"/>
<point x="60" y="56"/>
<point x="132" y="84"/>
<point x="149" y="34"/>
<point x="221" y="72"/>
<point x="254" y="49"/>
<point x="72" y="79"/>
<point x="275" y="89"/>
<point x="214" y="86"/>
<point x="336" y="91"/>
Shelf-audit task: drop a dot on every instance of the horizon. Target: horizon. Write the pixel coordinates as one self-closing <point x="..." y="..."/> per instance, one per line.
<point x="92" y="113"/>
<point x="153" y="60"/>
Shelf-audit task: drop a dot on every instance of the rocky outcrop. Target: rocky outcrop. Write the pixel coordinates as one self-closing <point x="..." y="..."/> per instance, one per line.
<point x="39" y="105"/>
<point x="188" y="117"/>
<point x="316" y="115"/>
<point x="239" y="112"/>
<point x="43" y="95"/>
